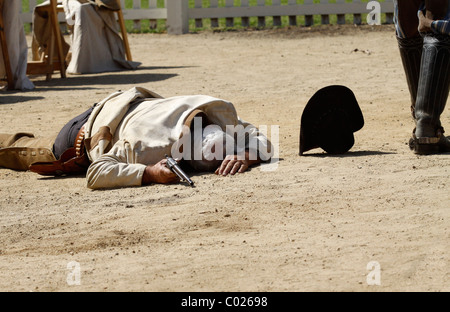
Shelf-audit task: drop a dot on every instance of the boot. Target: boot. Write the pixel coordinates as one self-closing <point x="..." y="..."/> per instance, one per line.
<point x="432" y="94"/>
<point x="411" y="55"/>
<point x="18" y="151"/>
<point x="21" y="158"/>
<point x="8" y="140"/>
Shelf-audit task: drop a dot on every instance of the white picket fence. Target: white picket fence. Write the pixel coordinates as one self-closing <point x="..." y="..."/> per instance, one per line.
<point x="177" y="13"/>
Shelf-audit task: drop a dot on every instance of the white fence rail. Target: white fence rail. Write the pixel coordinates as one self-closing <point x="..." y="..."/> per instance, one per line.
<point x="178" y="13"/>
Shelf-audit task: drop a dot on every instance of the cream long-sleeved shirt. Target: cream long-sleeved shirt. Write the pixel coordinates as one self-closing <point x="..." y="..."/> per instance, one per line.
<point x="141" y="127"/>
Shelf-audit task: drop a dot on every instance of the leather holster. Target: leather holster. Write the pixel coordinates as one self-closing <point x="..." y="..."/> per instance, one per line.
<point x="73" y="161"/>
<point x="68" y="164"/>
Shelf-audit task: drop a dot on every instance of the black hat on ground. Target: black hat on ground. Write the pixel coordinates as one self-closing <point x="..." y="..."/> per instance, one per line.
<point x="329" y="120"/>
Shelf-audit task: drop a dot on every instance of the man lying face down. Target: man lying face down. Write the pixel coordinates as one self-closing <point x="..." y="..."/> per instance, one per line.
<point x="122" y="141"/>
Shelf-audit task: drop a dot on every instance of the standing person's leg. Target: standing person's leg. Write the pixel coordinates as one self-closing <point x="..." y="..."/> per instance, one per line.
<point x="410" y="43"/>
<point x="406" y="21"/>
<point x="434" y="84"/>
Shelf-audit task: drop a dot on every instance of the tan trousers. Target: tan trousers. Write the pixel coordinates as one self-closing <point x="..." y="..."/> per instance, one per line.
<point x="18" y="151"/>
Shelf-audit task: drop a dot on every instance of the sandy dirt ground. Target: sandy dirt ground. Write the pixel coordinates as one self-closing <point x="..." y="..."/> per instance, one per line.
<point x="316" y="223"/>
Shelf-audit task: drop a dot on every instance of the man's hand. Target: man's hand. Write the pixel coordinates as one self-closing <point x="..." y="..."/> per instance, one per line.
<point x="159" y="173"/>
<point x="425" y="22"/>
<point x="232" y="164"/>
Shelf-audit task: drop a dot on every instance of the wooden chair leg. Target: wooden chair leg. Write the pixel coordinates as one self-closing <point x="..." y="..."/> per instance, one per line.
<point x="48" y="63"/>
<point x="57" y="35"/>
<point x="124" y="34"/>
<point x="50" y="58"/>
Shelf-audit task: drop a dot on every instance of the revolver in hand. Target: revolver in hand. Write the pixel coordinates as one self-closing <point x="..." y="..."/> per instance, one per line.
<point x="172" y="164"/>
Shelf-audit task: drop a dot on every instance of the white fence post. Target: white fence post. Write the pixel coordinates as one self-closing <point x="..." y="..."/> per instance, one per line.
<point x="177" y="13"/>
<point x="177" y="17"/>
